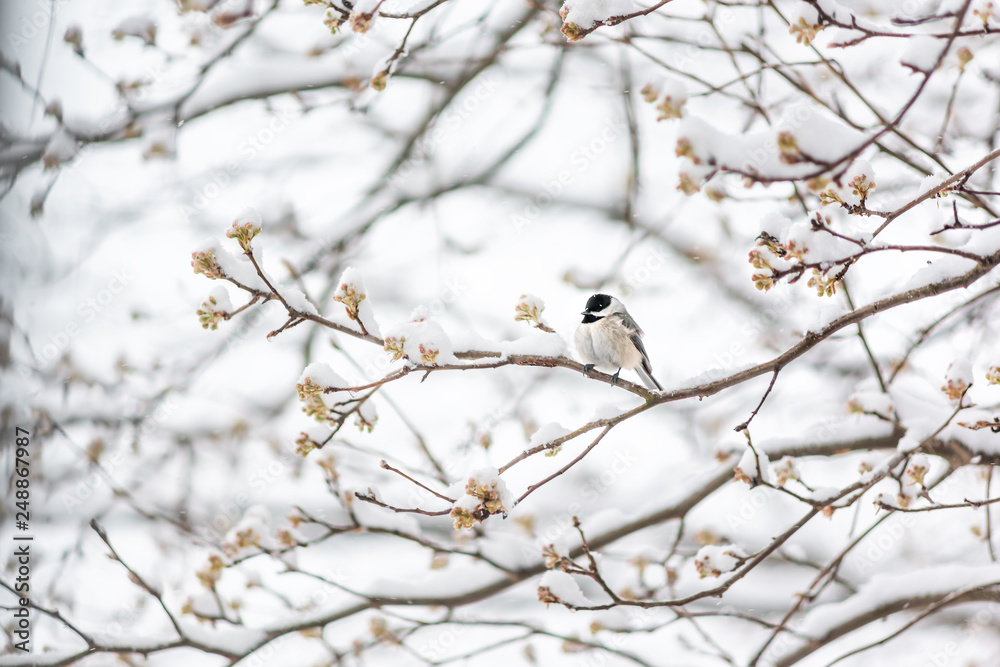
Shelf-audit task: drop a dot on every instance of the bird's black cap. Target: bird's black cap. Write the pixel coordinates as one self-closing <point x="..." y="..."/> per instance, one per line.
<point x="598" y="302"/>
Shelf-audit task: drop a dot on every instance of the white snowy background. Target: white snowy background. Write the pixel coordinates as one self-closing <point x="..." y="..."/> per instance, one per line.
<point x="479" y="175"/>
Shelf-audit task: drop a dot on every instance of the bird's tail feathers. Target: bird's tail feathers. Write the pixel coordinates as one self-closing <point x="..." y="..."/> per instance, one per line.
<point x="648" y="379"/>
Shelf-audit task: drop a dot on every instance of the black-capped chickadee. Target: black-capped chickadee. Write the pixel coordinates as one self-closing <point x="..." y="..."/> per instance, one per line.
<point x="609" y="339"/>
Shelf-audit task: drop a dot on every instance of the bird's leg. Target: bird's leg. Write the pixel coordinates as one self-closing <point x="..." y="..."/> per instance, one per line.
<point x="587" y="368"/>
<point x="614" y="378"/>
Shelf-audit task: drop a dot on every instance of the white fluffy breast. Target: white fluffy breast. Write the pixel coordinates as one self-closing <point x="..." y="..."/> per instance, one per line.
<point x="607" y="345"/>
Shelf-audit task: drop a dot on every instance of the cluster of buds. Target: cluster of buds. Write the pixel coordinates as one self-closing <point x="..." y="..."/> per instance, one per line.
<point x="95" y="449"/>
<point x="687" y="185"/>
<point x="206" y="264"/>
<point x="861" y="187"/>
<point x="439" y="560"/>
<point x="544" y="594"/>
<point x="785" y="470"/>
<point x="395" y="346"/>
<point x="964" y="57"/>
<point x="428" y="355"/>
<point x="552" y="558"/>
<point x="296" y="519"/>
<point x="333" y="20"/>
<point x="146" y="31"/>
<point x="210" y="314"/>
<point x="488" y="494"/>
<point x="829" y="196"/>
<point x="311" y="395"/>
<point x="304" y="444"/>
<point x="381" y="632"/>
<point x="715" y="194"/>
<point x="362" y="21"/>
<point x="917" y="469"/>
<point x="669" y="107"/>
<point x="570" y="31"/>
<point x="379" y="81"/>
<point x="243" y="234"/>
<point x="685" y="149"/>
<point x="348" y="295"/>
<point x="529" y="309"/>
<point x="817" y="183"/>
<point x="74" y="37"/>
<point x="740" y="476"/>
<point x="244" y="540"/>
<point x="462" y="518"/>
<point x="706" y="567"/>
<point x="993" y="375"/>
<point x="823" y="284"/>
<point x="954" y="389"/>
<point x="481" y="499"/>
<point x="788" y="148"/>
<point x="957" y="380"/>
<point x="225" y="19"/>
<point x="365" y="419"/>
<point x="54" y="109"/>
<point x="769" y="248"/>
<point x="985" y="13"/>
<point x="328" y="464"/>
<point x="707" y="536"/>
<point x="286" y="538"/>
<point x="804" y="32"/>
<point x="212" y="572"/>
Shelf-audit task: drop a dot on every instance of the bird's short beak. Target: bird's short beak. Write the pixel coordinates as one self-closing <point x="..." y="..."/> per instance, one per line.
<point x="585" y="313"/>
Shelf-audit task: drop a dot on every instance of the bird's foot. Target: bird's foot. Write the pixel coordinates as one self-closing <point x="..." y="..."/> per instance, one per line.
<point x="614" y="378"/>
<point x="587" y="368"/>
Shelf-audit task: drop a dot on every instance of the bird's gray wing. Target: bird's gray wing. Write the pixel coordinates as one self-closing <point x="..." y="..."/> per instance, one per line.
<point x="629" y="323"/>
<point x="646" y="370"/>
<point x="637" y="341"/>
